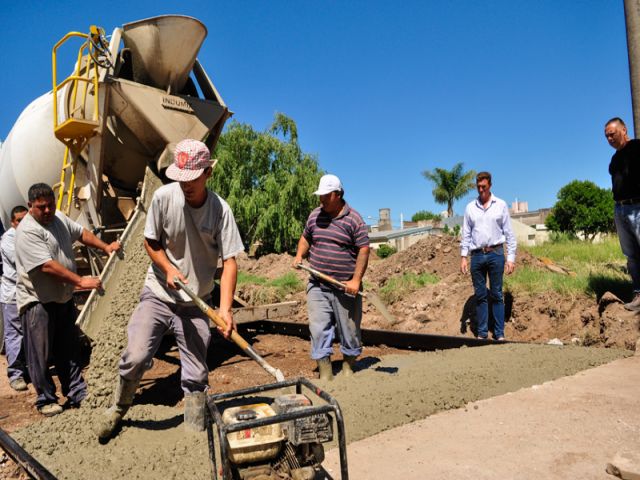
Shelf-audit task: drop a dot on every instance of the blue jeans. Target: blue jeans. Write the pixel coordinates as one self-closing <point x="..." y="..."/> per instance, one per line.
<point x="627" y="218"/>
<point x="330" y="309"/>
<point x="14" y="346"/>
<point x="482" y="265"/>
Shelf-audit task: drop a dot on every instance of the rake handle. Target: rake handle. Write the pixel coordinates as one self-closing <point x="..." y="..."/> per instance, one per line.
<point x="211" y="313"/>
<point x="326" y="278"/>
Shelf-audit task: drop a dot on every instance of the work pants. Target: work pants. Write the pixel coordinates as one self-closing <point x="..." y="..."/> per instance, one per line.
<point x="329" y="310"/>
<point x="13" y="344"/>
<point x="483" y="265"/>
<point x="151" y="320"/>
<point x="627" y="218"/>
<point x="50" y="332"/>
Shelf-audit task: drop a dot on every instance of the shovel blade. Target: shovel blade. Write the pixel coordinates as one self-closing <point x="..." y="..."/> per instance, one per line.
<point x="376" y="302"/>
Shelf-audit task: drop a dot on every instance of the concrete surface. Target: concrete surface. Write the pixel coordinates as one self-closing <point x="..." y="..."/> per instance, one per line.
<point x="568" y="428"/>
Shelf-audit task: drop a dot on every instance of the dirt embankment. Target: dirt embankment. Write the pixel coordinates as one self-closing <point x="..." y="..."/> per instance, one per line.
<point x="448" y="306"/>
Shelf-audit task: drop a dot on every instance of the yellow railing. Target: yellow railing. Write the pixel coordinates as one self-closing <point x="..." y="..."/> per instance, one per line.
<point x="76" y="130"/>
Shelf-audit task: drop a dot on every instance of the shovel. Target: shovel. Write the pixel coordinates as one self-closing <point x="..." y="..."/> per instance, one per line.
<point x="370" y="296"/>
<point x="238" y="340"/>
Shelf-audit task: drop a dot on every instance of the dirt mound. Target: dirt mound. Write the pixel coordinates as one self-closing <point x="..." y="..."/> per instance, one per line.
<point x="448" y="306"/>
<point x="435" y="254"/>
<point x="269" y="266"/>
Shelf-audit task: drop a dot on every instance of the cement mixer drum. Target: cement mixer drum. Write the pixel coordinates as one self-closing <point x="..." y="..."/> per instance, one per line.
<point x="163" y="50"/>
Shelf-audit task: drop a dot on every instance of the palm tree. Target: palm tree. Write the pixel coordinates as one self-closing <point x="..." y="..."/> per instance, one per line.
<point x="450" y="185"/>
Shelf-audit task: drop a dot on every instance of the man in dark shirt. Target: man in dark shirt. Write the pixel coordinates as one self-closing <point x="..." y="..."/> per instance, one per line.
<point x="336" y="239"/>
<point x="625" y="179"/>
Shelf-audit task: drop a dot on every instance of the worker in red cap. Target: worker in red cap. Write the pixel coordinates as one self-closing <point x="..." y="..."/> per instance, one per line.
<point x="188" y="228"/>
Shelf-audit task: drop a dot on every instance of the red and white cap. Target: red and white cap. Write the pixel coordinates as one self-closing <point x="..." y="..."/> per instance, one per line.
<point x="190" y="159"/>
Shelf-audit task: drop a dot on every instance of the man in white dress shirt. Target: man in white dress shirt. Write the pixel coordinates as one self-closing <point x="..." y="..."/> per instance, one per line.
<point x="485" y="231"/>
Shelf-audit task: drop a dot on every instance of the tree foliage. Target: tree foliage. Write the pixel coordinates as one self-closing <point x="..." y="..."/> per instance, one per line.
<point x="582" y="207"/>
<point x="425" y="215"/>
<point x="450" y="185"/>
<point x="268" y="181"/>
<point x="385" y="250"/>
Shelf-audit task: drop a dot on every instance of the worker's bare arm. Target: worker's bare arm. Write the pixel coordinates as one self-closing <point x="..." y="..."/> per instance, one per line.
<point x="362" y="260"/>
<point x="91" y="240"/>
<point x="159" y="257"/>
<point x="303" y="250"/>
<point x="54" y="268"/>
<point x="228" y="282"/>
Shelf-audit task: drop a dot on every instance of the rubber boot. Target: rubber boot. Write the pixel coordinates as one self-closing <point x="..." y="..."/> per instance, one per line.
<point x="325" y="369"/>
<point x="194" y="411"/>
<point x="125" y="391"/>
<point x="347" y="365"/>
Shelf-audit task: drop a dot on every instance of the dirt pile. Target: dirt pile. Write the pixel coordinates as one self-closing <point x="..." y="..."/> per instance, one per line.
<point x="448" y="306"/>
<point x="270" y="266"/>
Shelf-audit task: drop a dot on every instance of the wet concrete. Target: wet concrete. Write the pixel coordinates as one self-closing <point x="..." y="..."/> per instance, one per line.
<point x="397" y="390"/>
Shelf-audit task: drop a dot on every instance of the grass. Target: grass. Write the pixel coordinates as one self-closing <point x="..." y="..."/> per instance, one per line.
<point x="248" y="278"/>
<point x="596" y="268"/>
<point x="272" y="291"/>
<point x="399" y="286"/>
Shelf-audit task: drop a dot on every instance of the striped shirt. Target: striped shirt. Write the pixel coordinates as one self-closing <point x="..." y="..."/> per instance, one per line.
<point x="335" y="241"/>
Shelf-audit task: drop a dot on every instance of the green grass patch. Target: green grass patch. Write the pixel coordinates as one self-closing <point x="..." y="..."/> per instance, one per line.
<point x="399" y="286"/>
<point x="575" y="253"/>
<point x="596" y="268"/>
<point x="270" y="291"/>
<point x="287" y="283"/>
<point x="248" y="278"/>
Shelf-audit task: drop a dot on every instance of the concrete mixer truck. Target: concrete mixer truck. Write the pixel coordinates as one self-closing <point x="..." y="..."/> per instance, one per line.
<point x="104" y="134"/>
<point x="127" y="102"/>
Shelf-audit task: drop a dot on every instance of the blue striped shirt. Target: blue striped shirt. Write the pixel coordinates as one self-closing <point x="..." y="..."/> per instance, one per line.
<point x="335" y="241"/>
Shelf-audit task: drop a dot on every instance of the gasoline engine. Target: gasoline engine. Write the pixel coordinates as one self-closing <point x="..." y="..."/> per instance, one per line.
<point x="277" y="439"/>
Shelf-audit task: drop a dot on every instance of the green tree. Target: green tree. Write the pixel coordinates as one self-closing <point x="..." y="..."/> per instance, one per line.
<point x="385" y="250"/>
<point x="582" y="207"/>
<point x="450" y="185"/>
<point x="268" y="181"/>
<point x="425" y="215"/>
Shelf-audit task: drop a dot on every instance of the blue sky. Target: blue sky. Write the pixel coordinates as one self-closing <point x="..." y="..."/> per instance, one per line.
<point x="382" y="90"/>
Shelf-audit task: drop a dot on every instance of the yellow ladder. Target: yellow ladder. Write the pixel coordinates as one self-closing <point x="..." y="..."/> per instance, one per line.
<point x="66" y="165"/>
<point x="76" y="131"/>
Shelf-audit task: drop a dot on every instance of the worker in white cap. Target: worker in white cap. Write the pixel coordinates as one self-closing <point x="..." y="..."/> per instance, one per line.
<point x="336" y="240"/>
<point x="188" y="229"/>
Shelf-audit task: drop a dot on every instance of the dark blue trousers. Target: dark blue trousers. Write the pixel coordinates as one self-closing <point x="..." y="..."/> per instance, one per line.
<point x="51" y="335"/>
<point x="483" y="265"/>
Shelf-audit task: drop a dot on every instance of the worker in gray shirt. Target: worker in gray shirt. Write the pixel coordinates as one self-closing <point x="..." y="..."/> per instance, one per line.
<point x="47" y="278"/>
<point x="188" y="228"/>
<point x="16" y="359"/>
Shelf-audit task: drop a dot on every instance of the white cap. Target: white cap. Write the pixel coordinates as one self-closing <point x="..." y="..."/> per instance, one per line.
<point x="328" y="183"/>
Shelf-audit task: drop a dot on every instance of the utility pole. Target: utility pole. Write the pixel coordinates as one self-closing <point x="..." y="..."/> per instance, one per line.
<point x="632" y="18"/>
